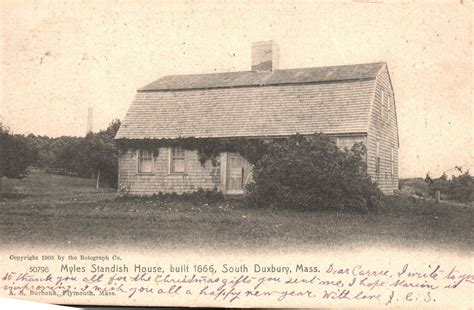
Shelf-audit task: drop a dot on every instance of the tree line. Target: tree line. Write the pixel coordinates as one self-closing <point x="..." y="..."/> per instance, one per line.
<point x="459" y="188"/>
<point x="298" y="170"/>
<point x="92" y="156"/>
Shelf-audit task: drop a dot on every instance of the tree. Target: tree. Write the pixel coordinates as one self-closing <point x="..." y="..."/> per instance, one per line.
<point x="461" y="188"/>
<point x="68" y="152"/>
<point x="428" y="179"/>
<point x="93" y="155"/>
<point x="15" y="155"/>
<point x="440" y="184"/>
<point x="311" y="172"/>
<point x="99" y="155"/>
<point x="443" y="177"/>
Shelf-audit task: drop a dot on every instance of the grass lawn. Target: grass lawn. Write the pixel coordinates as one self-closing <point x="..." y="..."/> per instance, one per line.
<point x="52" y="210"/>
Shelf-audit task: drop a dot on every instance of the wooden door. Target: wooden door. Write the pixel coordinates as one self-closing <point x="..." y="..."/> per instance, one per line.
<point x="237" y="173"/>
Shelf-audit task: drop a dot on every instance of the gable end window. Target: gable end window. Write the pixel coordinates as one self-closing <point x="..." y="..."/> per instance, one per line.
<point x="177" y="160"/>
<point x="382" y="103"/>
<point x="392" y="163"/>
<point x="389" y="107"/>
<point x="145" y="161"/>
<point x="377" y="158"/>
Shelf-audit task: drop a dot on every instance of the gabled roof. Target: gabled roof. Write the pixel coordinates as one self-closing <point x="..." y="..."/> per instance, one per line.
<point x="255" y="78"/>
<point x="254" y="104"/>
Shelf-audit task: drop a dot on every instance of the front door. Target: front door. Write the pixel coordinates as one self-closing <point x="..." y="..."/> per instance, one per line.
<point x="238" y="171"/>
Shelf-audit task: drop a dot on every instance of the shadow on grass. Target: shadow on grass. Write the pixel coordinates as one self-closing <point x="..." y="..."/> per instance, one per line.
<point x="208" y="220"/>
<point x="215" y="198"/>
<point x="13" y="196"/>
<point x="209" y="197"/>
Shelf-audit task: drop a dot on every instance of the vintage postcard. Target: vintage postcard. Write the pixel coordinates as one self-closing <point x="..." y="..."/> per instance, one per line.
<point x="237" y="153"/>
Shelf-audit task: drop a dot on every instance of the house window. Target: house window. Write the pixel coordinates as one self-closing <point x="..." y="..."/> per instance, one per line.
<point x="145" y="161"/>
<point x="389" y="107"/>
<point x="382" y="103"/>
<point x="392" y="164"/>
<point x="377" y="158"/>
<point x="177" y="160"/>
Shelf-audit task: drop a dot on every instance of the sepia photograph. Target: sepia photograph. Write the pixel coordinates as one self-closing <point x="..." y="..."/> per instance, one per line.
<point x="237" y="153"/>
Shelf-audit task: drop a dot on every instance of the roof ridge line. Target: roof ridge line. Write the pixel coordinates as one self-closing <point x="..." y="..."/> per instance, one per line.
<point x="141" y="90"/>
<point x="285" y="69"/>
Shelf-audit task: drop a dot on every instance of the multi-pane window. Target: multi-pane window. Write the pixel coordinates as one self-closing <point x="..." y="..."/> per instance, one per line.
<point x="389" y="107"/>
<point x="382" y="103"/>
<point x="177" y="160"/>
<point x="145" y="161"/>
<point x="392" y="164"/>
<point x="377" y="158"/>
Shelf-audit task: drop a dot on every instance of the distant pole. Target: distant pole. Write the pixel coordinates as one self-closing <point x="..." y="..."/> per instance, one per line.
<point x="97" y="184"/>
<point x="89" y="120"/>
<point x="438" y="196"/>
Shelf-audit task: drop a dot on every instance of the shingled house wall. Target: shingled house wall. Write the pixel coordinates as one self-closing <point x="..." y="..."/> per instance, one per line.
<point x="342" y="101"/>
<point x="131" y="182"/>
<point x="386" y="133"/>
<point x="197" y="176"/>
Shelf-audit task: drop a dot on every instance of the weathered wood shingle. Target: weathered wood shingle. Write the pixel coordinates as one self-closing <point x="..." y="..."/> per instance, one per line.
<point x="256" y="78"/>
<point x="283" y="102"/>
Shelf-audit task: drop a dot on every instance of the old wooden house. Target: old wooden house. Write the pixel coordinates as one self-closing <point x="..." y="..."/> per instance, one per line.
<point x="352" y="103"/>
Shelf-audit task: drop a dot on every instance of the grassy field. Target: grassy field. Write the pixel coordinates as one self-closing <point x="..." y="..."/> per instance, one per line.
<point x="52" y="210"/>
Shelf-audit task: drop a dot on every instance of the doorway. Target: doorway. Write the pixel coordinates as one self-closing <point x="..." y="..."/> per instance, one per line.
<point x="237" y="174"/>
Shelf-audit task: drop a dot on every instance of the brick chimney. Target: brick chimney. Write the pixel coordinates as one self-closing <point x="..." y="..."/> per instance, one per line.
<point x="264" y="56"/>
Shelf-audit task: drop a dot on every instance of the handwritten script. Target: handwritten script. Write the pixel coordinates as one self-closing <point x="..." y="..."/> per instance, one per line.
<point x="111" y="279"/>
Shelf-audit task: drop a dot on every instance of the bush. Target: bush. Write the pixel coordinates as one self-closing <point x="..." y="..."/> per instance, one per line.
<point x="460" y="188"/>
<point x="312" y="173"/>
<point x="199" y="197"/>
<point x="15" y="155"/>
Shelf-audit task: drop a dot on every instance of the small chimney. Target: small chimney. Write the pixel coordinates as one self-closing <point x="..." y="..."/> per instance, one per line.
<point x="264" y="56"/>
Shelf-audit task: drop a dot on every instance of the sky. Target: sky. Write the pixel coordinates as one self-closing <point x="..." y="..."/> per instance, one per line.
<point x="60" y="57"/>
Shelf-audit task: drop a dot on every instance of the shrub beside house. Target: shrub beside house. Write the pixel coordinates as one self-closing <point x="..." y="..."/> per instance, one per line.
<point x="350" y="104"/>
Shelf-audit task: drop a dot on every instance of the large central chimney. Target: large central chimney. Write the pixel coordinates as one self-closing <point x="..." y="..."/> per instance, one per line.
<point x="264" y="56"/>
